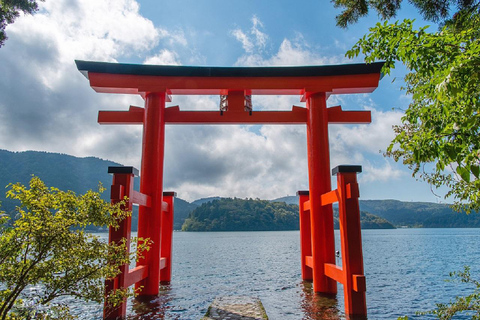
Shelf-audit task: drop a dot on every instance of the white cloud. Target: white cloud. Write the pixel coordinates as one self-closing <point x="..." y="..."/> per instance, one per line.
<point x="253" y="41"/>
<point x="260" y="37"/>
<point x="164" y="57"/>
<point x="244" y="40"/>
<point x="46" y="104"/>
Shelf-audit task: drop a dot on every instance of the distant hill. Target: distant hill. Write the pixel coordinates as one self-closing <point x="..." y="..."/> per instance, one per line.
<point x="67" y="172"/>
<point x="201" y="201"/>
<point x="81" y="174"/>
<point x="181" y="209"/>
<point x="229" y="214"/>
<point x="56" y="170"/>
<point x="413" y="214"/>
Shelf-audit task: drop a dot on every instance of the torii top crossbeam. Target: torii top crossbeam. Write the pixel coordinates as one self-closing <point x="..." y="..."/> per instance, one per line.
<point x="133" y="78"/>
<point x="236" y="83"/>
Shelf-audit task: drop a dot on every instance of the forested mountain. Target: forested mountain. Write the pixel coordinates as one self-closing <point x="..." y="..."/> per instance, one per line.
<point x="413" y="214"/>
<point x="229" y="214"/>
<point x="67" y="172"/>
<point x="201" y="201"/>
<point x="56" y="170"/>
<point x="81" y="174"/>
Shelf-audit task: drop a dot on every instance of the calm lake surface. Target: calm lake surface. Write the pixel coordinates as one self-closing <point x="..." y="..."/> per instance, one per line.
<point x="405" y="269"/>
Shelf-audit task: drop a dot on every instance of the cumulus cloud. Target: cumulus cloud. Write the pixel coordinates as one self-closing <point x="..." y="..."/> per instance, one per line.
<point x="164" y="57"/>
<point x="46" y="104"/>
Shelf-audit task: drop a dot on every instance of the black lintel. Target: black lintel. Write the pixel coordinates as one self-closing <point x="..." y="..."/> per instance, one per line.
<point x="346" y="168"/>
<point x="303" y="193"/>
<point x="123" y="170"/>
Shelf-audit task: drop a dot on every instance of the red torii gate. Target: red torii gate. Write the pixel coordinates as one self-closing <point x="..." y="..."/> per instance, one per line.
<point x="314" y="84"/>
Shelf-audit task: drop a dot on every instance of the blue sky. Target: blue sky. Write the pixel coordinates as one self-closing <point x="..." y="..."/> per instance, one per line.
<point x="46" y="104"/>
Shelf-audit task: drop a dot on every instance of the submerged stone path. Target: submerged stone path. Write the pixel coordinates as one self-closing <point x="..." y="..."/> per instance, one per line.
<point x="235" y="308"/>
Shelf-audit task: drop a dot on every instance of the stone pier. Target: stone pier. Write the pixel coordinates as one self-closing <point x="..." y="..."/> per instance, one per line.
<point x="236" y="307"/>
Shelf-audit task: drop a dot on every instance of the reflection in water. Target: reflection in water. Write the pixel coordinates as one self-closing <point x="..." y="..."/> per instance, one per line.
<point x="153" y="307"/>
<point x="318" y="306"/>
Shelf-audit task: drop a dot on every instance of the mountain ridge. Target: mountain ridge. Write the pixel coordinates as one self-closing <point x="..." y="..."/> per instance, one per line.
<point x="68" y="172"/>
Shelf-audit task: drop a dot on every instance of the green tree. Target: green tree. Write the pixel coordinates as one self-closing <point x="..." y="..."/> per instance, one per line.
<point x="433" y="10"/>
<point x="10" y="10"/>
<point x="439" y="135"/>
<point x="47" y="250"/>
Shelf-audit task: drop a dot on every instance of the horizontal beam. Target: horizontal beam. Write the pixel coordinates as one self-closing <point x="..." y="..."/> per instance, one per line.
<point x="134" y="115"/>
<point x="329" y="197"/>
<point x="173" y="115"/>
<point x="138" y="84"/>
<point x="163" y="263"/>
<point x="165" y="206"/>
<point x="337" y="115"/>
<point x="334" y="272"/>
<point x="309" y="261"/>
<point x="135" y="275"/>
<point x="141" y="199"/>
<point x="306" y="206"/>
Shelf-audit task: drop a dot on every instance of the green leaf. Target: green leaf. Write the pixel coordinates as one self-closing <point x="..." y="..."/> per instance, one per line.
<point x="475" y="170"/>
<point x="464" y="173"/>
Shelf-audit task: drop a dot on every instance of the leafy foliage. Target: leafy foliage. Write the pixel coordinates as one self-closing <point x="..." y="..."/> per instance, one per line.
<point x="433" y="10"/>
<point x="439" y="135"/>
<point x="47" y="251"/>
<point x="10" y="10"/>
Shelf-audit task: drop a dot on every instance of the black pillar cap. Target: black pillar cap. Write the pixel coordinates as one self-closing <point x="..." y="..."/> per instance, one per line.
<point x="170" y="194"/>
<point x="303" y="193"/>
<point x="346" y="168"/>
<point x="123" y="170"/>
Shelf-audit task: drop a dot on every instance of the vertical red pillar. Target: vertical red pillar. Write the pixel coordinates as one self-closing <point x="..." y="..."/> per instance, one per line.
<point x="167" y="234"/>
<point x="122" y="186"/>
<point x="351" y="238"/>
<point x="305" y="235"/>
<point x="323" y="240"/>
<point x="151" y="183"/>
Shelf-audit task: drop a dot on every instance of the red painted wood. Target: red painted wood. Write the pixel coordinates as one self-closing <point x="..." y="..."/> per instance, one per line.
<point x="321" y="217"/>
<point x="309" y="261"/>
<point x="151" y="183"/>
<point x="141" y="199"/>
<point x="351" y="239"/>
<point x="167" y="234"/>
<point x="305" y="236"/>
<point x="179" y="85"/>
<point x="334" y="272"/>
<point x="174" y="116"/>
<point x="329" y="197"/>
<point x="122" y="186"/>
<point x="163" y="263"/>
<point x="135" y="275"/>
<point x="337" y="115"/>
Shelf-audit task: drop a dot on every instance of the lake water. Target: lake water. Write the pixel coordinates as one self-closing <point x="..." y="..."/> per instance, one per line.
<point x="405" y="269"/>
